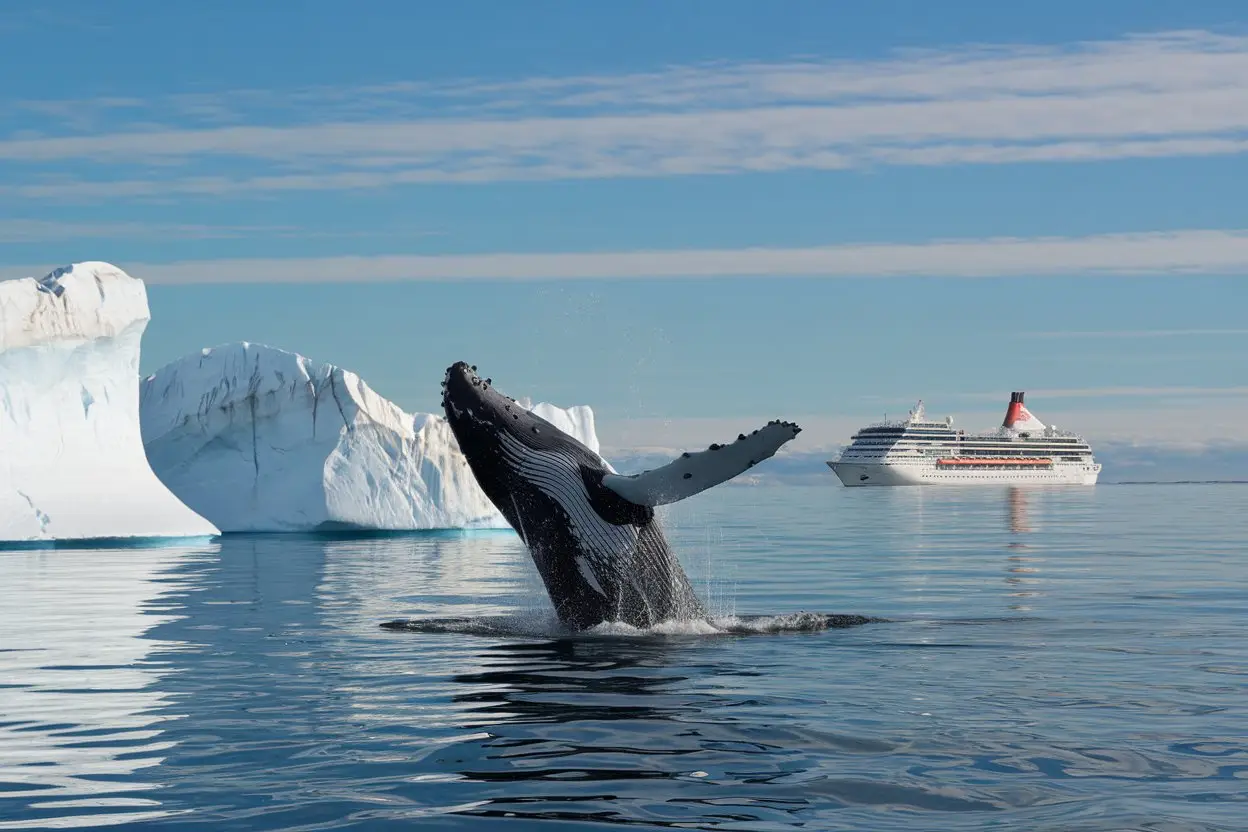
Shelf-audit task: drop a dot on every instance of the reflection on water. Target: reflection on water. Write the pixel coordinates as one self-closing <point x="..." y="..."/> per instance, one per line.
<point x="464" y="573"/>
<point x="83" y="726"/>
<point x="626" y="732"/>
<point x="1023" y="564"/>
<point x="1018" y="511"/>
<point x="247" y="685"/>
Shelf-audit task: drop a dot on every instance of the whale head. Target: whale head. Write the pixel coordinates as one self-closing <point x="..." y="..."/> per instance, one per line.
<point x="483" y="419"/>
<point x="497" y="436"/>
<point x="475" y="410"/>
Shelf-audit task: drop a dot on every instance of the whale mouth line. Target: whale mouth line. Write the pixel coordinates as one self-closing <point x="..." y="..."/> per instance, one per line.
<point x="519" y="626"/>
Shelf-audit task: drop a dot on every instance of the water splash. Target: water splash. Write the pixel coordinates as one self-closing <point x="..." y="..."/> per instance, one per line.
<point x="530" y="626"/>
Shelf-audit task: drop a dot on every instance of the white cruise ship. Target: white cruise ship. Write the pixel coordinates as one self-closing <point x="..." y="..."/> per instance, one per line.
<point x="916" y="451"/>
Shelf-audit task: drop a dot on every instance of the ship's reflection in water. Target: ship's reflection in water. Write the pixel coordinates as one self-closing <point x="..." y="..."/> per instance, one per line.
<point x="1017" y="498"/>
<point x="1022" y="564"/>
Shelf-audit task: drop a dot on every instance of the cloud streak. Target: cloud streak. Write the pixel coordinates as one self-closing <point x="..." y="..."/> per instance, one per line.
<point x="1116" y="392"/>
<point x="1134" y="333"/>
<point x="1173" y="253"/>
<point x="1173" y="94"/>
<point x="28" y="231"/>
<point x="35" y="231"/>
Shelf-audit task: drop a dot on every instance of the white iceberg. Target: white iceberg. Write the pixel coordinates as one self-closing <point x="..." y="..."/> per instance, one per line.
<point x="72" y="465"/>
<point x="259" y="439"/>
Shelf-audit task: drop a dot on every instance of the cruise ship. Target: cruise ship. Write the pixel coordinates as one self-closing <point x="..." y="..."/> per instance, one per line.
<point x="916" y="451"/>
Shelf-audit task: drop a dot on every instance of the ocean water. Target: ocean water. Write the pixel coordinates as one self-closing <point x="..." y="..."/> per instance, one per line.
<point x="1056" y="659"/>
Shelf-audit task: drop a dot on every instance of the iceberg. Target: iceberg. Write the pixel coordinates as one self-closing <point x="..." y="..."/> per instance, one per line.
<point x="258" y="439"/>
<point x="72" y="465"/>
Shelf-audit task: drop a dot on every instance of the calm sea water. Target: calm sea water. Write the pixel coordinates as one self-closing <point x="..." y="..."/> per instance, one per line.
<point x="1061" y="659"/>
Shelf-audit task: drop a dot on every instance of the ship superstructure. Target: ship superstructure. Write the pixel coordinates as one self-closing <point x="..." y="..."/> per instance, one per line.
<point x="918" y="451"/>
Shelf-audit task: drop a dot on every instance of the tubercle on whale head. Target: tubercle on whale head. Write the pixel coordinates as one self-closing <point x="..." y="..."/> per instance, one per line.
<point x="461" y="388"/>
<point x="471" y="403"/>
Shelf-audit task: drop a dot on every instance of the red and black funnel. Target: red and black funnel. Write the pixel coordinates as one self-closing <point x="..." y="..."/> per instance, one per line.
<point x="1014" y="410"/>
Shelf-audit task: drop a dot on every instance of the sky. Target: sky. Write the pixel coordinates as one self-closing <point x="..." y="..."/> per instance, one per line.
<point x="692" y="216"/>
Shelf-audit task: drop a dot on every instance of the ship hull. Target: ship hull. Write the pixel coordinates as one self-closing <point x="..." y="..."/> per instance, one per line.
<point x="862" y="474"/>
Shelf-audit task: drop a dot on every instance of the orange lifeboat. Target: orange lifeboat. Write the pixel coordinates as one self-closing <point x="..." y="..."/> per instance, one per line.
<point x="1001" y="461"/>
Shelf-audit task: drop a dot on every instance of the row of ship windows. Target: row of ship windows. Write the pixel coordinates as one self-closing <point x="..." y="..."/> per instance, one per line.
<point x="947" y="451"/>
<point x="854" y="458"/>
<point x="1063" y="440"/>
<point x="979" y="446"/>
<point x="969" y="440"/>
<point x="962" y="437"/>
<point x="951" y="432"/>
<point x="870" y="454"/>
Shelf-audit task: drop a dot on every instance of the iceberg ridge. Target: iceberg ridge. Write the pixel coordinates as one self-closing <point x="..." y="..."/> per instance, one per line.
<point x="256" y="438"/>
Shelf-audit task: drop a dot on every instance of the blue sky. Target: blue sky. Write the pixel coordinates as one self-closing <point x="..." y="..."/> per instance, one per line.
<point x="689" y="215"/>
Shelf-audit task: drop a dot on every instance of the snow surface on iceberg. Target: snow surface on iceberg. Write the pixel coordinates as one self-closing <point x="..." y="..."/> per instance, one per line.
<point x="72" y="465"/>
<point x="259" y="439"/>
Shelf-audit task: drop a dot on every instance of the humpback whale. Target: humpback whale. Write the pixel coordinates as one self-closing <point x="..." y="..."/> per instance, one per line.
<point x="591" y="531"/>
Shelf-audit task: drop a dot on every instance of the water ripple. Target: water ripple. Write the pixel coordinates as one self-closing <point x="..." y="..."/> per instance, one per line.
<point x="1061" y="659"/>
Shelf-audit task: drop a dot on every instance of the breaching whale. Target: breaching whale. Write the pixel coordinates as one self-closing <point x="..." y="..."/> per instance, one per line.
<point x="592" y="532"/>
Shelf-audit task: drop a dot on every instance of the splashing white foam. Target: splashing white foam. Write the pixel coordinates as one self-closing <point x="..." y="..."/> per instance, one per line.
<point x="529" y="626"/>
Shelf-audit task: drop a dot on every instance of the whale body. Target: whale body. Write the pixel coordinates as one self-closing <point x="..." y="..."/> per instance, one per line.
<point x="591" y="532"/>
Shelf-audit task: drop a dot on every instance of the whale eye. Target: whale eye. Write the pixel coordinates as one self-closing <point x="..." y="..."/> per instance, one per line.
<point x="688" y="476"/>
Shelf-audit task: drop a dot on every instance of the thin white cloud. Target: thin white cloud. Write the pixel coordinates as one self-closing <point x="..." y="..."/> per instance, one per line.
<point x="26" y="231"/>
<point x="705" y="136"/>
<point x="1133" y="333"/>
<point x="1115" y="392"/>
<point x="1177" y="252"/>
<point x="1159" y="62"/>
<point x="1172" y="94"/>
<point x="33" y="231"/>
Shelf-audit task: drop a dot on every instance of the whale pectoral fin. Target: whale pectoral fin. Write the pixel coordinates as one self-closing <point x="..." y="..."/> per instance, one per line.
<point x="610" y="506"/>
<point x="692" y="473"/>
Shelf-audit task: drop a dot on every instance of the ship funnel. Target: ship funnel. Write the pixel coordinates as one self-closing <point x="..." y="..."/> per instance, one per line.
<point x="1018" y="418"/>
<point x="1013" y="411"/>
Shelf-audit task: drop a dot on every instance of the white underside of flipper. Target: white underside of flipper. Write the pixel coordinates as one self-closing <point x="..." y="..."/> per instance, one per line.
<point x="692" y="473"/>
